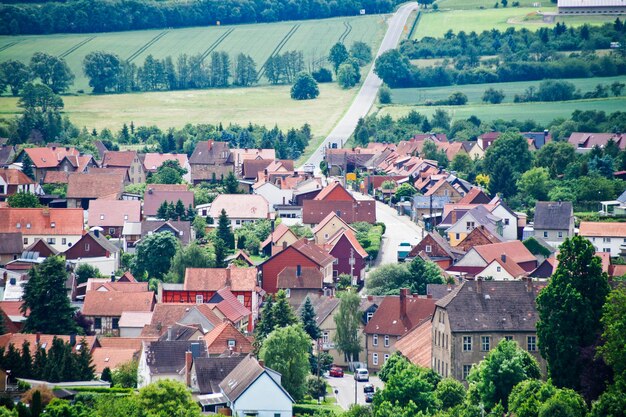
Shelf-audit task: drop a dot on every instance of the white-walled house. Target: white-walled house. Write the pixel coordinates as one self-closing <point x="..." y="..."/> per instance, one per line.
<point x="605" y="237"/>
<point x="252" y="389"/>
<point x="509" y="221"/>
<point x="274" y="195"/>
<point x="168" y="359"/>
<point x="240" y="208"/>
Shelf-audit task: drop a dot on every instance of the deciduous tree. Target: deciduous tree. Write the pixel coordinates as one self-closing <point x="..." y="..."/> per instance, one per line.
<point x="23" y="199"/>
<point x="154" y="254"/>
<point x="14" y="74"/>
<point x="167" y="398"/>
<point x="305" y="87"/>
<point x="103" y="70"/>
<point x="348" y="321"/>
<point x="52" y="71"/>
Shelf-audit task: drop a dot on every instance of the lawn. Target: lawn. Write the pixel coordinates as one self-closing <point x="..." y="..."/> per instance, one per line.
<point x="314" y="38"/>
<point x="485" y="4"/>
<point x="264" y="105"/>
<point x="540" y="112"/>
<point x="474" y="92"/>
<point x="436" y="24"/>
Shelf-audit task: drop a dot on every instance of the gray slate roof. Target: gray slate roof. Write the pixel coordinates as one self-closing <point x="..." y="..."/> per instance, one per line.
<point x="484" y="306"/>
<point x="11" y="243"/>
<point x="211" y="371"/>
<point x="551" y="215"/>
<point x="168" y="357"/>
<point x="244" y="375"/>
<point x="322" y="305"/>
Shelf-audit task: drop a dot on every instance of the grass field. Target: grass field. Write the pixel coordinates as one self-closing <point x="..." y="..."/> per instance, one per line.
<point x="314" y="38"/>
<point x="540" y="112"/>
<point x="485" y="4"/>
<point x="263" y="105"/>
<point x="438" y="23"/>
<point x="474" y="92"/>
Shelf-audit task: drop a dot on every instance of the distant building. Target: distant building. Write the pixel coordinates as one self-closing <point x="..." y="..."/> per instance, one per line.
<point x="554" y="221"/>
<point x="591" y="6"/>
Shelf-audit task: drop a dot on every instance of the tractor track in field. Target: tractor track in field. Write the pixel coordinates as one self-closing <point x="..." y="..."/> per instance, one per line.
<point x="217" y="43"/>
<point x="75" y="47"/>
<point x="277" y="50"/>
<point x="8" y="45"/>
<point x="346" y="32"/>
<point x="147" y="45"/>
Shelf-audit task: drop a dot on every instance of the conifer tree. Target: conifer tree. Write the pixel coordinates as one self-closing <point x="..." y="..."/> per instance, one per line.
<point x="162" y="212"/>
<point x="27" y="167"/>
<point x="308" y="320"/>
<point x="224" y="231"/>
<point x="27" y="360"/>
<point x="179" y="210"/>
<point x="282" y="313"/>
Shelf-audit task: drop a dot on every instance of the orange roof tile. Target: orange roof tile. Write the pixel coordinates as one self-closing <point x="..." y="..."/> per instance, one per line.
<point x="113" y="213"/>
<point x="153" y="161"/>
<point x="49" y="157"/>
<point x="92" y="185"/>
<point x="111" y="358"/>
<point x="119" y="158"/>
<point x="15" y="177"/>
<point x="56" y="177"/>
<point x="602" y="229"/>
<point x="514" y="250"/>
<point x="114" y="303"/>
<point x="214" y="279"/>
<point x="45" y="340"/>
<point x="42" y="221"/>
<point x="217" y="340"/>
<point x="416" y="345"/>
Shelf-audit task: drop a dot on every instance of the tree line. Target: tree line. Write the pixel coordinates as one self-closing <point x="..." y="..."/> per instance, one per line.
<point x="50" y="70"/>
<point x="82" y="16"/>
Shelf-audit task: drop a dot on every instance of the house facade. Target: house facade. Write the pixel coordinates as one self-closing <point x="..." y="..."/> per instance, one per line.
<point x="336" y="199"/>
<point x="111" y="215"/>
<point x="14" y="181"/>
<point x="605" y="237"/>
<point x="240" y="208"/>
<point x="211" y="161"/>
<point x="554" y="221"/>
<point x="105" y="308"/>
<point x="128" y="160"/>
<point x="95" y="250"/>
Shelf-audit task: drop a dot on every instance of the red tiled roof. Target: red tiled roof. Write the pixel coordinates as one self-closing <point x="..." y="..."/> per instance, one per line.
<point x="214" y="279"/>
<point x="313" y="252"/>
<point x="56" y="177"/>
<point x="602" y="229"/>
<point x="388" y="320"/>
<point x="229" y="306"/>
<point x="474" y="196"/>
<point x="15" y="177"/>
<point x="91" y="185"/>
<point x="416" y="345"/>
<point x="12" y="308"/>
<point x="240" y="206"/>
<point x="217" y="340"/>
<point x="153" y="198"/>
<point x="279" y="232"/>
<point x="332" y="215"/>
<point x="153" y="161"/>
<point x="617" y="270"/>
<point x="310" y="278"/>
<point x="39" y="221"/>
<point x="113" y="213"/>
<point x="326" y="191"/>
<point x="111" y="358"/>
<point x="45" y="340"/>
<point x="114" y="303"/>
<point x="119" y="158"/>
<point x="49" y="157"/>
<point x="514" y="249"/>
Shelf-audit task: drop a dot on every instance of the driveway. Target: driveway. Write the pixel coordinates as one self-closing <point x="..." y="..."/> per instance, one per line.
<point x="367" y="94"/>
<point x="345" y="389"/>
<point x="399" y="229"/>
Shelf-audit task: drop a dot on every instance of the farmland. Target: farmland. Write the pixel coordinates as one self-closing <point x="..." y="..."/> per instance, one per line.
<point x="474" y="92"/>
<point x="436" y="24"/>
<point x="314" y="38"/>
<point x="540" y="112"/>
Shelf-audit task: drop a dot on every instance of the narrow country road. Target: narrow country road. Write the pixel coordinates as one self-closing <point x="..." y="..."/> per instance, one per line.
<point x="367" y="94"/>
<point x="399" y="229"/>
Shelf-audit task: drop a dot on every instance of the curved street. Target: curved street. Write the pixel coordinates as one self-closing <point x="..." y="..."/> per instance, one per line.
<point x="367" y="94"/>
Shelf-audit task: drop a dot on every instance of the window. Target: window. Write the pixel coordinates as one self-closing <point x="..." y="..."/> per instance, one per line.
<point x="26" y="241"/>
<point x="240" y="298"/>
<point x="288" y="292"/>
<point x="429" y="248"/>
<point x="375" y="340"/>
<point x="560" y="234"/>
<point x="97" y="323"/>
<point x="606" y="250"/>
<point x="335" y="273"/>
<point x="606" y="240"/>
<point x="499" y="269"/>
<point x="276" y="414"/>
<point x="199" y="299"/>
<point x="369" y="316"/>
<point x="237" y="221"/>
<point x="63" y="241"/>
<point x="386" y="357"/>
<point x="325" y="337"/>
<point x="28" y="225"/>
<point x="336" y="261"/>
<point x="467" y="343"/>
<point x="52" y="240"/>
<point x="102" y="217"/>
<point x="125" y="216"/>
<point x="470" y="225"/>
<point x="375" y="358"/>
<point x="506" y="222"/>
<point x="485" y="342"/>
<point x="466" y="371"/>
<point x="116" y="323"/>
<point x="18" y="225"/>
<point x="53" y="225"/>
<point x="111" y="230"/>
<point x="545" y="234"/>
<point x="87" y="247"/>
<point x="508" y="338"/>
<point x="231" y="343"/>
<point x="386" y="340"/>
<point x="457" y="236"/>
<point x="532" y="343"/>
<point x="325" y="235"/>
<point x="446" y="342"/>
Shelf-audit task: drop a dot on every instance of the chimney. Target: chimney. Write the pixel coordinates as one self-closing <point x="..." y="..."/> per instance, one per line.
<point x="284" y="244"/>
<point x="479" y="285"/>
<point x="404" y="293"/>
<point x="262" y="363"/>
<point x="370" y="298"/>
<point x="72" y="339"/>
<point x="503" y="258"/>
<point x="149" y="190"/>
<point x="169" y="333"/>
<point x="529" y="284"/>
<point x="96" y="233"/>
<point x="188" y="363"/>
<point x="112" y="276"/>
<point x="449" y="287"/>
<point x="38" y="338"/>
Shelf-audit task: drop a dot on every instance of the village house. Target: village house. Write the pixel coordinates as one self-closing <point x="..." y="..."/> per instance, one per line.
<point x="157" y="194"/>
<point x="55" y="158"/>
<point x="504" y="310"/>
<point x="226" y="339"/>
<point x="240" y="208"/>
<point x="395" y="316"/>
<point x="278" y="240"/>
<point x="350" y="257"/>
<point x="210" y="161"/>
<point x="60" y="228"/>
<point x="206" y="374"/>
<point x="111" y="215"/>
<point x="554" y="221"/>
<point x="228" y="308"/>
<point x="584" y="142"/>
<point x="104" y="308"/>
<point x="478" y="258"/>
<point x="298" y="284"/>
<point x="113" y="352"/>
<point x="328" y="227"/>
<point x="128" y="160"/>
<point x="83" y="188"/>
<point x="273" y="194"/>
<point x="301" y="254"/>
<point x="11" y="247"/>
<point x="468" y="220"/>
<point x="168" y="359"/>
<point x="94" y="249"/>
<point x="443" y="188"/>
<point x="7" y="153"/>
<point x="481" y="235"/>
<point x="166" y="316"/>
<point x="182" y="230"/>
<point x="437" y="249"/>
<point x="152" y="161"/>
<point x="335" y="198"/>
<point x="605" y="237"/>
<point x="14" y="181"/>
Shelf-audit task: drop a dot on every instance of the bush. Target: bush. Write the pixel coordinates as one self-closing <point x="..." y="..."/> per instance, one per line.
<point x="384" y="95"/>
<point x="305" y="87"/>
<point x="316" y="387"/>
<point x="323" y="75"/>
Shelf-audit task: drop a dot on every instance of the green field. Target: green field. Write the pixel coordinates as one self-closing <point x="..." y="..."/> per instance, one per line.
<point x="540" y="112"/>
<point x="485" y="4"/>
<point x="314" y="38"/>
<point x="436" y="24"/>
<point x="474" y="92"/>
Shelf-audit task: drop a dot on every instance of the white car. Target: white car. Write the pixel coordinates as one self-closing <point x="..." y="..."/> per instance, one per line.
<point x="361" y="374"/>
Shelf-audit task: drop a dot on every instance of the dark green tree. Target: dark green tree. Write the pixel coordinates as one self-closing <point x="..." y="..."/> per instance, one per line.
<point x="27" y="167"/>
<point x="85" y="271"/>
<point x="167" y="398"/>
<point x="154" y="255"/>
<point x="46" y="299"/>
<point x="52" y="71"/>
<point x="614" y="335"/>
<point x="103" y="70"/>
<point x="219" y="247"/>
<point x="27" y="361"/>
<point x="282" y="313"/>
<point x="179" y="210"/>
<point x="570" y="308"/>
<point x="41" y="113"/>
<point x="163" y="211"/>
<point x="305" y="87"/>
<point x="231" y="185"/>
<point x="502" y="179"/>
<point x="450" y="393"/>
<point x="85" y="369"/>
<point x="23" y="199"/>
<point x="362" y="52"/>
<point x="106" y="375"/>
<point x="338" y="55"/>
<point x="224" y="231"/>
<point x="14" y="74"/>
<point x="348" y="321"/>
<point x="308" y="320"/>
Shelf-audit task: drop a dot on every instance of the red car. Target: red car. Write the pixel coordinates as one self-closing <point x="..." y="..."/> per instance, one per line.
<point x="336" y="372"/>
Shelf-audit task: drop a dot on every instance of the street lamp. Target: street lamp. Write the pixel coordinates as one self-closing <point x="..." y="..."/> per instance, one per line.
<point x="6" y="380"/>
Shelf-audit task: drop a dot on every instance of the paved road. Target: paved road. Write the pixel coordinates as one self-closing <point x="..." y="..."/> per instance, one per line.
<point x="345" y="389"/>
<point x="366" y="96"/>
<point x="399" y="229"/>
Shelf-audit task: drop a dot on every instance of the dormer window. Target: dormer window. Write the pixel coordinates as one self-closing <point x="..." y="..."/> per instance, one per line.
<point x="28" y="225"/>
<point x="102" y="217"/>
<point x="53" y="225"/>
<point x="125" y="216"/>
<point x="18" y="225"/>
<point x="231" y="343"/>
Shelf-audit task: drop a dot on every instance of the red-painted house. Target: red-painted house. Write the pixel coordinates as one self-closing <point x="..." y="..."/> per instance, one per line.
<point x="301" y="254"/>
<point x="201" y="284"/>
<point x="349" y="254"/>
<point x="335" y="198"/>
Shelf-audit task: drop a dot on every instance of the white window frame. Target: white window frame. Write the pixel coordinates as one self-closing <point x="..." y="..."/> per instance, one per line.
<point x="485" y="343"/>
<point x="466" y="371"/>
<point x="386" y="340"/>
<point x="375" y="340"/>
<point x="385" y="358"/>
<point x="531" y="343"/>
<point x="199" y="299"/>
<point x="325" y="337"/>
<point x="232" y="343"/>
<point x="375" y="359"/>
<point x="429" y="248"/>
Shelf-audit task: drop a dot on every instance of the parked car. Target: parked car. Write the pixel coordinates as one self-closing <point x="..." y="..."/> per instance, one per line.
<point x="369" y="397"/>
<point x="361" y="374"/>
<point x="368" y="388"/>
<point x="336" y="372"/>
